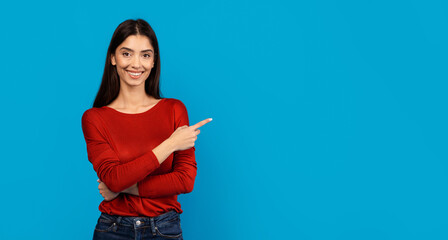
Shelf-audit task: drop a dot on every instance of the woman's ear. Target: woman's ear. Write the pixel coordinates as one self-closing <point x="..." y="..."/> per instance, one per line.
<point x="112" y="59"/>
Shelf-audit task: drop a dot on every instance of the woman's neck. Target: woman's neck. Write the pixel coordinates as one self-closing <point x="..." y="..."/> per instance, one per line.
<point x="132" y="98"/>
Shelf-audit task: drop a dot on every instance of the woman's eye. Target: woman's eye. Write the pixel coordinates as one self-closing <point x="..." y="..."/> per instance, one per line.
<point x="146" y="55"/>
<point x="126" y="54"/>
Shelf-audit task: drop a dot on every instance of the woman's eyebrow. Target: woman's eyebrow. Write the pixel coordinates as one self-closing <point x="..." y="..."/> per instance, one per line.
<point x="130" y="50"/>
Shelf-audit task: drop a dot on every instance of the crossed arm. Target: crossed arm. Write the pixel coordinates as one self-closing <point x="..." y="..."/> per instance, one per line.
<point x="108" y="195"/>
<point x="179" y="180"/>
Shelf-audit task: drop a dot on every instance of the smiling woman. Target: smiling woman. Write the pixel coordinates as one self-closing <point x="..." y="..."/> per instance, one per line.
<point x="133" y="50"/>
<point x="134" y="59"/>
<point x="140" y="145"/>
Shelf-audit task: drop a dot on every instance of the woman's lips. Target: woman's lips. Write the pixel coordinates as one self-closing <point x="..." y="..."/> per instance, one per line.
<point x="134" y="75"/>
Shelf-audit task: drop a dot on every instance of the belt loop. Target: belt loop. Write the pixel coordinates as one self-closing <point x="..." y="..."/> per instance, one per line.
<point x="153" y="227"/>
<point x="117" y="221"/>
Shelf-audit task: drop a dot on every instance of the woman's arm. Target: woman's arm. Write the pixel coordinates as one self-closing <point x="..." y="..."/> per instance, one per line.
<point x="180" y="180"/>
<point x="118" y="176"/>
<point x="108" y="195"/>
<point x="182" y="177"/>
<point x="161" y="152"/>
<point x="132" y="190"/>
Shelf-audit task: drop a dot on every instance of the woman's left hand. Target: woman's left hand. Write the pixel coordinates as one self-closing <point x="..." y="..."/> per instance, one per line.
<point x="107" y="194"/>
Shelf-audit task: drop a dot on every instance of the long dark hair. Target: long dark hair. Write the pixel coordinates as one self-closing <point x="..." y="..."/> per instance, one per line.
<point x="110" y="85"/>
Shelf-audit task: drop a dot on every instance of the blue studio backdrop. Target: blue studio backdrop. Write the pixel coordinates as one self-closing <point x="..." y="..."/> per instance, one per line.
<point x="329" y="117"/>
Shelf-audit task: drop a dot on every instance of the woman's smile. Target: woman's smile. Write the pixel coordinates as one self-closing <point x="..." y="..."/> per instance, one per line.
<point x="134" y="75"/>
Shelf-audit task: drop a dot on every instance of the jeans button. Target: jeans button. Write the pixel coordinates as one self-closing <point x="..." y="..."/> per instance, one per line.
<point x="138" y="222"/>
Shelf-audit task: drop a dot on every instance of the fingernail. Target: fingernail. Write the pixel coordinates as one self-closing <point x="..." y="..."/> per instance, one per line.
<point x="210" y="119"/>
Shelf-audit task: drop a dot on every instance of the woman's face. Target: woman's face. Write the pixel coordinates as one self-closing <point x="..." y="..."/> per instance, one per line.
<point x="134" y="59"/>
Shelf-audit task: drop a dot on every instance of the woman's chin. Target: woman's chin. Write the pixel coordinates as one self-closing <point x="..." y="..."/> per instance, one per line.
<point x="134" y="83"/>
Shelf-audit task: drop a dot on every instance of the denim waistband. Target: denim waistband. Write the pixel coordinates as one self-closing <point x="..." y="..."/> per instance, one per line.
<point x="138" y="222"/>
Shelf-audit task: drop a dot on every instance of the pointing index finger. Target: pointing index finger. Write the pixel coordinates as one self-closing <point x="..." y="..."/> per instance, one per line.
<point x="201" y="123"/>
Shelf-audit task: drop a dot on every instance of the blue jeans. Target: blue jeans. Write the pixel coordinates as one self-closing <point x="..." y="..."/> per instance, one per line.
<point x="114" y="227"/>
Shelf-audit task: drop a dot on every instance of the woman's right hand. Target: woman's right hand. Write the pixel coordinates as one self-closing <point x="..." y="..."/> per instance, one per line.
<point x="107" y="194"/>
<point x="185" y="136"/>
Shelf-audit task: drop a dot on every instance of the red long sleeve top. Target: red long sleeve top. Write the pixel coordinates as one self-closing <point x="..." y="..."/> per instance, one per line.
<point x="119" y="146"/>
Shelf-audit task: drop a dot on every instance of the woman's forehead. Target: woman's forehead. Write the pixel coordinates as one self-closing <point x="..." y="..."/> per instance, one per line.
<point x="136" y="43"/>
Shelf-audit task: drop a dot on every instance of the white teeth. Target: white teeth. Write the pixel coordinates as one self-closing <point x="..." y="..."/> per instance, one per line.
<point x="135" y="74"/>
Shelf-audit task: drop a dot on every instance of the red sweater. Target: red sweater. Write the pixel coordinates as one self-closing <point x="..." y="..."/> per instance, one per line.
<point x="119" y="146"/>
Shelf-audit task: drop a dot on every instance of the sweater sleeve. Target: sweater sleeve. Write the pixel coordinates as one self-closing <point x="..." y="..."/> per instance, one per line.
<point x="182" y="177"/>
<point x="116" y="175"/>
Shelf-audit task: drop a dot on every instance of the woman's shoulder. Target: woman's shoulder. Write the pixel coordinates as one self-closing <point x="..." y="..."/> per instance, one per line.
<point x="175" y="103"/>
<point x="91" y="114"/>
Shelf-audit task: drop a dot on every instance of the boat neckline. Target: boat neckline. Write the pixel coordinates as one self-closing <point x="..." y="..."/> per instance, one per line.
<point x="137" y="114"/>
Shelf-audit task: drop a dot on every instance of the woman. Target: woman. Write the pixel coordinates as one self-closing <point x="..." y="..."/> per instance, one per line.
<point x="140" y="145"/>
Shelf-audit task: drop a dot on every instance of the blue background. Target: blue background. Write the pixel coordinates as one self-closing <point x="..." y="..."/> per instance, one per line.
<point x="330" y="117"/>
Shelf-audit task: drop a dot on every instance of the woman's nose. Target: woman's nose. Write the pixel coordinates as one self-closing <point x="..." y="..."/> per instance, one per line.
<point x="135" y="62"/>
